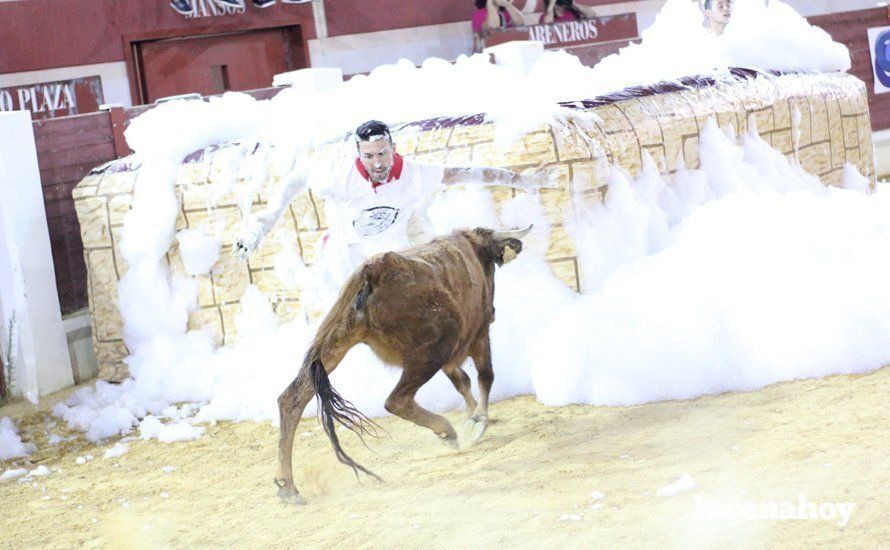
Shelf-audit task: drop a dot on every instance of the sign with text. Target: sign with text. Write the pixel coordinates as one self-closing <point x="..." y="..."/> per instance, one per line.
<point x="879" y="44"/>
<point x="570" y="33"/>
<point x="209" y="8"/>
<point x="54" y="99"/>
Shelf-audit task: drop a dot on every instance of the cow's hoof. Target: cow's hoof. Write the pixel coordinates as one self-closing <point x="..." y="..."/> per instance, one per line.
<point x="292" y="498"/>
<point x="473" y="430"/>
<point x="449" y="441"/>
<point x="289" y="495"/>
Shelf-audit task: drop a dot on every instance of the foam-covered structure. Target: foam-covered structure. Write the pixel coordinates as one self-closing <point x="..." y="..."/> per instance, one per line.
<point x="820" y="120"/>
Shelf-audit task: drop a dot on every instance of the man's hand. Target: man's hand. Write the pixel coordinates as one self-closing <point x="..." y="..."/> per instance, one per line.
<point x="543" y="177"/>
<point x="249" y="239"/>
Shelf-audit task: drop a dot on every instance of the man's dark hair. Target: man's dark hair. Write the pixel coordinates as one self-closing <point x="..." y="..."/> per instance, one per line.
<point x="707" y="4"/>
<point x="370" y="129"/>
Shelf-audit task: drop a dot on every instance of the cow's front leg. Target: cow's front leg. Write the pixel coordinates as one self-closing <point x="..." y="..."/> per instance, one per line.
<point x="480" y="351"/>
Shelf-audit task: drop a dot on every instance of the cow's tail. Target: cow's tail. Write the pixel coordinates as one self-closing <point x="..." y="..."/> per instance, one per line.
<point x="333" y="409"/>
<point x="339" y="330"/>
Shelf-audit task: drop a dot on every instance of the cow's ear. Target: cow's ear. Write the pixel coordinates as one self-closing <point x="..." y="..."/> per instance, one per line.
<point x="485" y="246"/>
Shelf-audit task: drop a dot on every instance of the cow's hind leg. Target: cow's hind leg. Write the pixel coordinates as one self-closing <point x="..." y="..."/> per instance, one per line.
<point x="290" y="409"/>
<point x="402" y="404"/>
<point x="462" y="384"/>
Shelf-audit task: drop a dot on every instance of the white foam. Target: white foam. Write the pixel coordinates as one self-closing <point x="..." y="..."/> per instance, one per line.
<point x="40" y="471"/>
<point x="119" y="449"/>
<point x="150" y="427"/>
<point x="198" y="251"/>
<point x="12" y="474"/>
<point x="179" y="431"/>
<point x="11" y="445"/>
<point x="682" y="485"/>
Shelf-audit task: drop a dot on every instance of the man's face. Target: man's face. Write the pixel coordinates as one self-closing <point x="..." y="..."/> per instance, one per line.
<point x="720" y="11"/>
<point x="376" y="156"/>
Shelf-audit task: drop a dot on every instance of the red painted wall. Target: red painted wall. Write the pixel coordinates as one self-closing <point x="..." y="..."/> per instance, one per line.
<point x="46" y="34"/>
<point x="353" y="17"/>
<point x="851" y="29"/>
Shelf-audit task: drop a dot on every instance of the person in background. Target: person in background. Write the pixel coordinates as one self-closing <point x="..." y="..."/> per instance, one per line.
<point x="717" y="15"/>
<point x="493" y="14"/>
<point x="559" y="11"/>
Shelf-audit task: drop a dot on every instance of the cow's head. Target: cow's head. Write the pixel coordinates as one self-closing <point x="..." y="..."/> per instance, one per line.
<point x="498" y="247"/>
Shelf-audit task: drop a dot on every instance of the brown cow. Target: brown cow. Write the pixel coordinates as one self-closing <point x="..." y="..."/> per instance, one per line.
<point x="426" y="308"/>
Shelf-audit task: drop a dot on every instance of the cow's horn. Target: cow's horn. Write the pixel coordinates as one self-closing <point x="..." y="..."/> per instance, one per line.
<point x="513" y="233"/>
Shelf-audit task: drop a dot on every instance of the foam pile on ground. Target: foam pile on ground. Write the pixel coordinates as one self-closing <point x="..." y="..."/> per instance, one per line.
<point x="682" y="485"/>
<point x="40" y="471"/>
<point x="771" y="277"/>
<point x="10" y="475"/>
<point x="11" y="445"/>
<point x="119" y="449"/>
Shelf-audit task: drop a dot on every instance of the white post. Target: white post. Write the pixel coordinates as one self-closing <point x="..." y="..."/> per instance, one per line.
<point x="27" y="277"/>
<point x="318" y="80"/>
<point x="321" y="20"/>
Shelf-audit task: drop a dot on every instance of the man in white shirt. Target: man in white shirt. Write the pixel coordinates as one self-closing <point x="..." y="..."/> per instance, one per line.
<point x="379" y="204"/>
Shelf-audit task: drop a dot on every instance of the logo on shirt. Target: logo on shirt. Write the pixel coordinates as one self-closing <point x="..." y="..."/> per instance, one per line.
<point x="375" y="221"/>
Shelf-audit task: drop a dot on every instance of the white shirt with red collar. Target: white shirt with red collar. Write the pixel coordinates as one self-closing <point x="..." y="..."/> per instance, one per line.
<point x="373" y="217"/>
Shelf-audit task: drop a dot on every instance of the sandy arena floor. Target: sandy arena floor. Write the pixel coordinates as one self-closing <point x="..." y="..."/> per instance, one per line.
<point x="526" y="484"/>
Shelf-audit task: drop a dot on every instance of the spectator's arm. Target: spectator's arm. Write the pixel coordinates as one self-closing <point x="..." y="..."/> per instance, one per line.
<point x="493" y="21"/>
<point x="548" y="13"/>
<point x="515" y="14"/>
<point x="587" y="11"/>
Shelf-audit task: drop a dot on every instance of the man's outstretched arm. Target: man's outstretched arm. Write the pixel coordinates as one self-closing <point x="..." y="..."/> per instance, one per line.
<point x="539" y="179"/>
<point x="258" y="225"/>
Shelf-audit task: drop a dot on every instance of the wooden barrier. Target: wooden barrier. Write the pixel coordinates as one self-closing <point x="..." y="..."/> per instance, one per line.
<point x="67" y="149"/>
